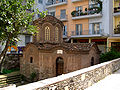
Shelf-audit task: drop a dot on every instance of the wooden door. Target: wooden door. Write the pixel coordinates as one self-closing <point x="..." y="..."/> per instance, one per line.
<point x="59" y="66"/>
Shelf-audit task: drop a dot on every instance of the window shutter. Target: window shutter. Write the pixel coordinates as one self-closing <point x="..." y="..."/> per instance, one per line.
<point x="77" y="29"/>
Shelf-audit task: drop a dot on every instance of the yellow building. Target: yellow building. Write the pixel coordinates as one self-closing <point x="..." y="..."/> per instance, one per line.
<point x="114" y="40"/>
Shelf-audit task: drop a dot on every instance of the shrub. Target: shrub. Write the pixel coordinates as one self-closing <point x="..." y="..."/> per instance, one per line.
<point x="33" y="76"/>
<point x="6" y="71"/>
<point x="73" y="13"/>
<point x="113" y="54"/>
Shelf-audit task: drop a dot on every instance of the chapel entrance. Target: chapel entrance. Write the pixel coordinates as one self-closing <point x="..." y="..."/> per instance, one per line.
<point x="59" y="66"/>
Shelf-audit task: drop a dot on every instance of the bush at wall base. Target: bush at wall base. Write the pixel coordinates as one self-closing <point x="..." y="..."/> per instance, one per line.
<point x="113" y="54"/>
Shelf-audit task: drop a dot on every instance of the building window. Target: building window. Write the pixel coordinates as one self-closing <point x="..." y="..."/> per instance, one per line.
<point x="61" y="0"/>
<point x="47" y="33"/>
<point x="65" y="30"/>
<point x="27" y="39"/>
<point x="78" y="29"/>
<point x="40" y="1"/>
<point x="56" y="33"/>
<point x="31" y="59"/>
<point x="52" y="14"/>
<point x="96" y="28"/>
<point x="63" y="14"/>
<point x="93" y="1"/>
<point x="78" y="8"/>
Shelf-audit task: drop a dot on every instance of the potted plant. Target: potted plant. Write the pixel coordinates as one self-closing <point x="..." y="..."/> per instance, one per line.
<point x="73" y="13"/>
<point x="115" y="10"/>
<point x="85" y="9"/>
<point x="81" y="13"/>
<point x="119" y="7"/>
<point x="100" y="2"/>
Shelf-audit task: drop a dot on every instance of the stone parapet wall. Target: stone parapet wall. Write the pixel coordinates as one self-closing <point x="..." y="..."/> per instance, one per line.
<point x="78" y="80"/>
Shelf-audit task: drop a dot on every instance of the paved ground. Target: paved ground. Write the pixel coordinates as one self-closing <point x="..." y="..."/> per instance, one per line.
<point x="111" y="82"/>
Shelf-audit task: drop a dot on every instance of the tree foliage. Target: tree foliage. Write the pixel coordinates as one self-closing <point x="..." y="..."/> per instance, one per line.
<point x="15" y="18"/>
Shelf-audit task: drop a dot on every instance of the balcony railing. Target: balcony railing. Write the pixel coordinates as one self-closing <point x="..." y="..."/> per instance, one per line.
<point x="65" y="33"/>
<point x="76" y="0"/>
<point x="87" y="32"/>
<point x="117" y="30"/>
<point x="54" y="2"/>
<point x="62" y="17"/>
<point x="89" y="10"/>
<point x="117" y="9"/>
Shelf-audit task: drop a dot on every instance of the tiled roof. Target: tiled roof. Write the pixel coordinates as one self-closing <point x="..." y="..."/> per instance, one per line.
<point x="67" y="46"/>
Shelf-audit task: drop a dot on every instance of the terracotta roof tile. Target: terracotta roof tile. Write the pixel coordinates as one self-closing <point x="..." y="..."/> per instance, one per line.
<point x="67" y="46"/>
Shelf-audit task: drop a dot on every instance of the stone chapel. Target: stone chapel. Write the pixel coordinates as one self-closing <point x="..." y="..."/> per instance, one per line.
<point x="49" y="56"/>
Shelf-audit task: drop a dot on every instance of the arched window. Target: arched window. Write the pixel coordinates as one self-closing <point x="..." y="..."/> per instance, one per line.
<point x="92" y="61"/>
<point x="47" y="33"/>
<point x="56" y="33"/>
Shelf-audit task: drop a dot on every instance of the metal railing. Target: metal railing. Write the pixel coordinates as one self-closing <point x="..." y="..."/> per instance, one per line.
<point x="62" y="17"/>
<point x="117" y="9"/>
<point x="89" y="10"/>
<point x="52" y="2"/>
<point x="64" y="33"/>
<point x="86" y="32"/>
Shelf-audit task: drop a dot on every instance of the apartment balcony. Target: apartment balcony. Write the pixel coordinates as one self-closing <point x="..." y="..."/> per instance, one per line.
<point x="76" y="0"/>
<point x="87" y="33"/>
<point x="91" y="11"/>
<point x="55" y="3"/>
<point x="116" y="11"/>
<point x="62" y="17"/>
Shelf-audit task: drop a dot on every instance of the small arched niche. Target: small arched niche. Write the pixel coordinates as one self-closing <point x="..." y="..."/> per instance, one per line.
<point x="92" y="61"/>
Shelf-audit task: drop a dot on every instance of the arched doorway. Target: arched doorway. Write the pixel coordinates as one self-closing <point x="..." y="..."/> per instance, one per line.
<point x="92" y="61"/>
<point x="59" y="66"/>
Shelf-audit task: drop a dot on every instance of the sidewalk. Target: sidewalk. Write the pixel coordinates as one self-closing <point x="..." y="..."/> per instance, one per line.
<point x="111" y="82"/>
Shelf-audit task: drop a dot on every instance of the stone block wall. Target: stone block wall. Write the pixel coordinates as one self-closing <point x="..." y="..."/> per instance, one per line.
<point x="12" y="61"/>
<point x="78" y="80"/>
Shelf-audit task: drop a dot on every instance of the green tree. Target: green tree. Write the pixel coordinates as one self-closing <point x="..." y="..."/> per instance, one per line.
<point x="15" y="18"/>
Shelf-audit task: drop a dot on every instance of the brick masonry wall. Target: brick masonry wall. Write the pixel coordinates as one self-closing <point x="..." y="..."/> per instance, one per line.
<point x="78" y="80"/>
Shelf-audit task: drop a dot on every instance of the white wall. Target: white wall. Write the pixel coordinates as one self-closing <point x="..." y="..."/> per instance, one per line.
<point x="107" y="16"/>
<point x="106" y="19"/>
<point x="22" y="40"/>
